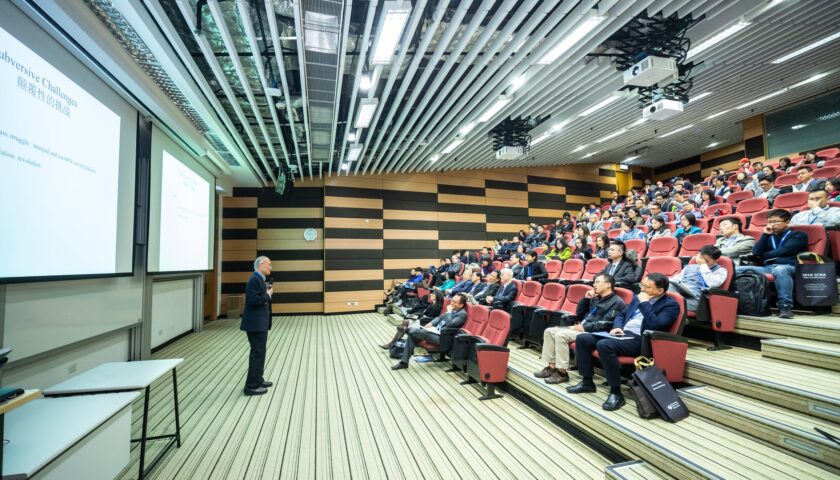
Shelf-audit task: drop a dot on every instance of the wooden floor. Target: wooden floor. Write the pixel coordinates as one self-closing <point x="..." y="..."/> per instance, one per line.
<point x="338" y="411"/>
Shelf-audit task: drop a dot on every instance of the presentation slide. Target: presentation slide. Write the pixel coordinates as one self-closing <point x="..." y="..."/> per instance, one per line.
<point x="184" y="218"/>
<point x="59" y="171"/>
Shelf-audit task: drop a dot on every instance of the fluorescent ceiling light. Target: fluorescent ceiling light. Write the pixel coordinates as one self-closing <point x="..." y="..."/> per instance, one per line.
<point x="393" y="19"/>
<point x="638" y="122"/>
<point x="630" y="159"/>
<point x="561" y="125"/>
<point x="603" y="103"/>
<point x="612" y="135"/>
<point x="807" y="48"/>
<point x="367" y="107"/>
<point x="713" y="144"/>
<point x="714" y="115"/>
<point x="717" y="38"/>
<point x="539" y="139"/>
<point x="809" y="80"/>
<point x="761" y="99"/>
<point x="220" y="188"/>
<point x="467" y="128"/>
<point x="345" y="166"/>
<point x="676" y="131"/>
<point x="571" y="39"/>
<point x="364" y="83"/>
<point x="355" y="152"/>
<point x="517" y="82"/>
<point x="578" y="149"/>
<point x="588" y="155"/>
<point x="797" y="127"/>
<point x="452" y="146"/>
<point x="495" y="108"/>
<point x="434" y="158"/>
<point x="351" y="137"/>
<point x="698" y="97"/>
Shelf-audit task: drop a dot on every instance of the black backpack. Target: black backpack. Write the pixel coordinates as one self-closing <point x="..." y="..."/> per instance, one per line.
<point x="753" y="294"/>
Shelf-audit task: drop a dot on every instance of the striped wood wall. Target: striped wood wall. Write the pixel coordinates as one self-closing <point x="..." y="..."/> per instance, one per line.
<point x="375" y="228"/>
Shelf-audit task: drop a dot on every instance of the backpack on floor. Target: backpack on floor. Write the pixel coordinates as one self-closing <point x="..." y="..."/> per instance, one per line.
<point x="753" y="294"/>
<point x="396" y="349"/>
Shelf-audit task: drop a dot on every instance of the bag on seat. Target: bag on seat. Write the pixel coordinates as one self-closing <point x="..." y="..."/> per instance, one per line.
<point x="753" y="294"/>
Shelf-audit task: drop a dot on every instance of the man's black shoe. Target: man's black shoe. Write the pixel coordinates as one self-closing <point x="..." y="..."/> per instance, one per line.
<point x="785" y="311"/>
<point x="399" y="366"/>
<point x="582" y="388"/>
<point x="255" y="391"/>
<point x="267" y="384"/>
<point x="614" y="402"/>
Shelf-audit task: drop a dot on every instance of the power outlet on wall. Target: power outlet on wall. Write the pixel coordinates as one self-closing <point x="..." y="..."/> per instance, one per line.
<point x="352" y="304"/>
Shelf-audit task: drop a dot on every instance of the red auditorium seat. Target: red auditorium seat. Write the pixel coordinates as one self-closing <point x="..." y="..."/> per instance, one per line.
<point x="445" y="346"/>
<point x="476" y="321"/>
<point x="786" y="180"/>
<point x="572" y="269"/>
<point x="736" y="197"/>
<point x="594" y="266"/>
<point x="791" y="201"/>
<point x="553" y="267"/>
<point x="497" y="265"/>
<point x="715" y="229"/>
<point x="703" y="223"/>
<point x="752" y="205"/>
<point x="552" y="298"/>
<point x="625" y="295"/>
<point x="663" y="247"/>
<point x="756" y="234"/>
<point x="758" y="220"/>
<point x="539" y="250"/>
<point x="717" y="209"/>
<point x="528" y="296"/>
<point x="613" y="233"/>
<point x="488" y="360"/>
<point x="669" y="216"/>
<point x="835" y="162"/>
<point x="672" y="226"/>
<point x="607" y="224"/>
<point x="643" y="228"/>
<point x="817" y="237"/>
<point x="827" y="172"/>
<point x="638" y="245"/>
<point x="668" y="266"/>
<point x="829" y="153"/>
<point x="718" y="307"/>
<point x="692" y="243"/>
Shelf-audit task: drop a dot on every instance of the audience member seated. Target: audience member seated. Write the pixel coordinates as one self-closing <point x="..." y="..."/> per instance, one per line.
<point x="621" y="267"/>
<point x="398" y="291"/>
<point x="766" y="188"/>
<point x="454" y="317"/>
<point x="819" y="212"/>
<point x="703" y="274"/>
<point x="832" y="186"/>
<point x="582" y="251"/>
<point x="424" y="313"/>
<point x="448" y="282"/>
<point x="472" y="279"/>
<point x="655" y="211"/>
<point x="742" y="179"/>
<point x="560" y="250"/>
<point x="776" y="250"/>
<point x="602" y="242"/>
<point x="629" y="231"/>
<point x="689" y="206"/>
<point x="533" y="269"/>
<point x="634" y="215"/>
<point x="657" y="229"/>
<point x="486" y="265"/>
<point x="582" y="233"/>
<point x="785" y="164"/>
<point x="688" y="226"/>
<point x="506" y="292"/>
<point x="720" y="189"/>
<point x="597" y="311"/>
<point x="732" y="243"/>
<point x="807" y="182"/>
<point x="650" y="310"/>
<point x="707" y="199"/>
<point x="488" y="288"/>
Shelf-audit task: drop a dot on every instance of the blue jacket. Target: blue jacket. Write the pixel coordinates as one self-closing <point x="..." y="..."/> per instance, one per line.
<point x="256" y="317"/>
<point x="659" y="316"/>
<point x="785" y="252"/>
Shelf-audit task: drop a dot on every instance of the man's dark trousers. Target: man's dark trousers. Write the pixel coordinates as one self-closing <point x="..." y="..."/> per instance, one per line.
<point x="609" y="349"/>
<point x="256" y="360"/>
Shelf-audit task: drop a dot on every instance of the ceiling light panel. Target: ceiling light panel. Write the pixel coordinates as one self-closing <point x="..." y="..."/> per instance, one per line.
<point x="717" y="38"/>
<point x="807" y="48"/>
<point x="495" y="108"/>
<point x="392" y="23"/>
<point x="367" y="107"/>
<point x="589" y="23"/>
<point x="603" y="103"/>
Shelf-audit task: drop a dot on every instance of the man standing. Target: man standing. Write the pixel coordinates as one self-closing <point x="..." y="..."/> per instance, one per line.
<point x="650" y="310"/>
<point x="600" y="304"/>
<point x="256" y="322"/>
<point x="454" y="316"/>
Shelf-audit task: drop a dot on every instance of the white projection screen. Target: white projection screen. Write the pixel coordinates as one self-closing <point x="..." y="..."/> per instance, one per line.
<point x="181" y="210"/>
<point x="67" y="163"/>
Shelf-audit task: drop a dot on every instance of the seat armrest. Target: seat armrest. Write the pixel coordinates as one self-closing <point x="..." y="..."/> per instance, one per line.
<point x="490" y="347"/>
<point x="453" y="331"/>
<point x="665" y="336"/>
<point x="720" y="291"/>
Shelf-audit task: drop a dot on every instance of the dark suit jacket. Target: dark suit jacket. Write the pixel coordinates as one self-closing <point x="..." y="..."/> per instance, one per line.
<point x="453" y="319"/>
<point x="658" y="316"/>
<point x="625" y="273"/>
<point x="538" y="271"/>
<point x="785" y="252"/>
<point x="257" y="315"/>
<point x="505" y="295"/>
<point x="490" y="290"/>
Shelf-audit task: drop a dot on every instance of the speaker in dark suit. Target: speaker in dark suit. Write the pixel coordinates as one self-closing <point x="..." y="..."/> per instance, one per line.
<point x="256" y="322"/>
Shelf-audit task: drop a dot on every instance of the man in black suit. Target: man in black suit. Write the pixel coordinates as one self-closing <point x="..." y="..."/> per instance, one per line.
<point x="256" y="322"/>
<point x="454" y="317"/>
<point x="506" y="293"/>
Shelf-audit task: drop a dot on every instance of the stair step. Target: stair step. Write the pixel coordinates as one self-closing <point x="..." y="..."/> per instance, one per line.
<point x="395" y="319"/>
<point x="806" y="352"/>
<point x="690" y="448"/>
<point x="802" y="388"/>
<point x="825" y="328"/>
<point x="381" y="310"/>
<point x="791" y="431"/>
<point x="633" y="470"/>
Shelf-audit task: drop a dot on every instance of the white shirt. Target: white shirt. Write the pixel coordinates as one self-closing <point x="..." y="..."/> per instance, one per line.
<point x="827" y="216"/>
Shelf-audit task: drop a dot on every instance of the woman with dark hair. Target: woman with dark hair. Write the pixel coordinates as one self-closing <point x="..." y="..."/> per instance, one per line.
<point x="629" y="231"/>
<point x="832" y="186"/>
<point x="582" y="233"/>
<point x="708" y="198"/>
<point x="486" y="266"/>
<point x="658" y="228"/>
<point x="688" y="226"/>
<point x="635" y="216"/>
<point x="785" y="164"/>
<point x="742" y="180"/>
<point x="582" y="250"/>
<point x="559" y="251"/>
<point x="425" y="313"/>
<point x="602" y="242"/>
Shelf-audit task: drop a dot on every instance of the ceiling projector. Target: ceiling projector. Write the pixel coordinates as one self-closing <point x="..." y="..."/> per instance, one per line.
<point x="662" y="109"/>
<point x="651" y="71"/>
<point x="509" y="152"/>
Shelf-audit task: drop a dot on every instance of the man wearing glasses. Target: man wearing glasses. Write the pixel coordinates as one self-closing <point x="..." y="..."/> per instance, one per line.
<point x="256" y="322"/>
<point x="777" y="249"/>
<point x="650" y="310"/>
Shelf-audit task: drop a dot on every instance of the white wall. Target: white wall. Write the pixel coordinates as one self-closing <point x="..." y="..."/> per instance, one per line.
<point x="172" y="309"/>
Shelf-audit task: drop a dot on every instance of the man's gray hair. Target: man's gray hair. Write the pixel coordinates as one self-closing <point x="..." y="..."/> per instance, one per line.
<point x="506" y="271"/>
<point x="258" y="261"/>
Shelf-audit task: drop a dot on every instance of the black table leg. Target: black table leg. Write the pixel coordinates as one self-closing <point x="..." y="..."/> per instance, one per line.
<point x="177" y="414"/>
<point x="143" y="436"/>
